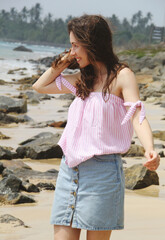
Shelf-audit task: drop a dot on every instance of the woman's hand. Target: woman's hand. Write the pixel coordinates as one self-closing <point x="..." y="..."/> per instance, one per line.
<point x="153" y="160"/>
<point x="63" y="60"/>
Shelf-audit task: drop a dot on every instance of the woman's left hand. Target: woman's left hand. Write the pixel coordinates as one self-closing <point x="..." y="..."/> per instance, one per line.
<point x="153" y="160"/>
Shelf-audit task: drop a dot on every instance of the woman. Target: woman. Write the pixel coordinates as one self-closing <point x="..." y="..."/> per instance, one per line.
<point x="90" y="186"/>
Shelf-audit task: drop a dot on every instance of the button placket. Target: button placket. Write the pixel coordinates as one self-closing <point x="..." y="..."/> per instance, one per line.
<point x="74" y="188"/>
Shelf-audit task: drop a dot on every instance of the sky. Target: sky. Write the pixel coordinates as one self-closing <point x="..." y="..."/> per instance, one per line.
<point x="121" y="8"/>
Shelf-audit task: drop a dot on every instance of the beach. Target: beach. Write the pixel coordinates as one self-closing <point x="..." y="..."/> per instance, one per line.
<point x="144" y="208"/>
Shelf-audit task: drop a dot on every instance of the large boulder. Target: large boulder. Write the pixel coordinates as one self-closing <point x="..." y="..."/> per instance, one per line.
<point x="8" y="104"/>
<point x="7" y="118"/>
<point x="138" y="176"/>
<point x="41" y="147"/>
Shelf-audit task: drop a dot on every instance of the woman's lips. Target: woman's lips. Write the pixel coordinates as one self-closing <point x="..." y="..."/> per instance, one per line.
<point x="78" y="59"/>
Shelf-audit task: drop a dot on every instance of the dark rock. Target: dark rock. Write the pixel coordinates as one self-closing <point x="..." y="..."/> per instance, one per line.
<point x="138" y="176"/>
<point x="1" y="167"/>
<point x="29" y="187"/>
<point x="16" y="198"/>
<point x="46" y="186"/>
<point x="42" y="135"/>
<point x="6" y="172"/>
<point x="135" y="151"/>
<point x="5" y="154"/>
<point x="162" y="154"/>
<point x="9" y="184"/>
<point x="8" y="104"/>
<point x="16" y="222"/>
<point x="41" y="148"/>
<point x="7" y="118"/>
<point x="22" y="48"/>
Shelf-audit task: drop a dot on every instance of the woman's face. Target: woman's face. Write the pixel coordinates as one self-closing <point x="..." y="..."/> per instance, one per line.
<point x="78" y="52"/>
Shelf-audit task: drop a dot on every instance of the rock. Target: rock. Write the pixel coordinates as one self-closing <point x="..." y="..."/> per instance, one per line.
<point x="22" y="48"/>
<point x="28" y="80"/>
<point x="162" y="154"/>
<point x="16" y="70"/>
<point x="8" y="104"/>
<point x="135" y="151"/>
<point x="46" y="186"/>
<point x="33" y="97"/>
<point x="16" y="222"/>
<point x="5" y="154"/>
<point x="159" y="146"/>
<point x="67" y="96"/>
<point x="29" y="187"/>
<point x="8" y="118"/>
<point x="14" y="164"/>
<point x="138" y="176"/>
<point x="1" y="167"/>
<point x="2" y="82"/>
<point x="2" y="136"/>
<point x="15" y="198"/>
<point x="9" y="184"/>
<point x="38" y="136"/>
<point x="26" y="174"/>
<point x="61" y="124"/>
<point x="159" y="134"/>
<point x="42" y="124"/>
<point x="41" y="148"/>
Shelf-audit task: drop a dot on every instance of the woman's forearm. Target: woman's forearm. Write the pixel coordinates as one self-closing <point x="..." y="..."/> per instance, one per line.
<point x="144" y="134"/>
<point x="48" y="77"/>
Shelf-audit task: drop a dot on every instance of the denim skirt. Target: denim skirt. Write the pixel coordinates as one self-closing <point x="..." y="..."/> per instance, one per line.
<point x="91" y="195"/>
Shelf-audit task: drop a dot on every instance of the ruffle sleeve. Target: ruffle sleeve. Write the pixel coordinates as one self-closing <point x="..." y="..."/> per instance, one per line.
<point x="133" y="106"/>
<point x="61" y="80"/>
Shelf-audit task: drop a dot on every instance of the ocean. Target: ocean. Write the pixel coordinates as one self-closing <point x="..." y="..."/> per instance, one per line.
<point x="10" y="59"/>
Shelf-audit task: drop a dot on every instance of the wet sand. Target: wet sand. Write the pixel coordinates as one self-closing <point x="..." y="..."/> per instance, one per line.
<point x="144" y="209"/>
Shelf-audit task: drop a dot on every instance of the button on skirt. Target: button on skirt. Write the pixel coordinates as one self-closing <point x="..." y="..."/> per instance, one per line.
<point x="91" y="195"/>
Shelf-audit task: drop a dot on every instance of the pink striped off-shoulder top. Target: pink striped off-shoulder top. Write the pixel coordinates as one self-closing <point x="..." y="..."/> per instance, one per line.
<point x="96" y="127"/>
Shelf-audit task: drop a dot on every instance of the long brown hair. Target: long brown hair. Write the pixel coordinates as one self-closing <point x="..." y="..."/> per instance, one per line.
<point x="94" y="34"/>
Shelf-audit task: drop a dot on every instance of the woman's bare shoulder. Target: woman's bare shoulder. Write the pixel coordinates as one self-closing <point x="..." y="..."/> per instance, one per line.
<point x="126" y="76"/>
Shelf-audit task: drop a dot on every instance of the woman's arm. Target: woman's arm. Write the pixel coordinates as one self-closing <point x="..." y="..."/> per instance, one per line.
<point x="130" y="93"/>
<point x="46" y="83"/>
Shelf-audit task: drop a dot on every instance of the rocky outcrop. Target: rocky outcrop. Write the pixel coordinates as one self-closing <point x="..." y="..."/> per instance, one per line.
<point x="8" y="104"/>
<point x="41" y="147"/>
<point x="138" y="176"/>
<point x="22" y="49"/>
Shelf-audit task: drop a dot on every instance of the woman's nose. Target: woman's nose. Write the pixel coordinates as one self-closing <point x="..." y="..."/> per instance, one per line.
<point x="72" y="53"/>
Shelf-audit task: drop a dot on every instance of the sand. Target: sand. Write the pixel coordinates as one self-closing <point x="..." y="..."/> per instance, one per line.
<point x="144" y="209"/>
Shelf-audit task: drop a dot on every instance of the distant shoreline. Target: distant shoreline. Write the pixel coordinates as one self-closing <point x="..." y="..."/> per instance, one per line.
<point x="36" y="43"/>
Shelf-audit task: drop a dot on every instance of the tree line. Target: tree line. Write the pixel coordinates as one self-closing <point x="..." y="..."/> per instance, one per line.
<point x="28" y="25"/>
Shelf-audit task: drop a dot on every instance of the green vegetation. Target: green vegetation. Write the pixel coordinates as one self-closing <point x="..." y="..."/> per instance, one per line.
<point x="27" y="25"/>
<point x="141" y="52"/>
